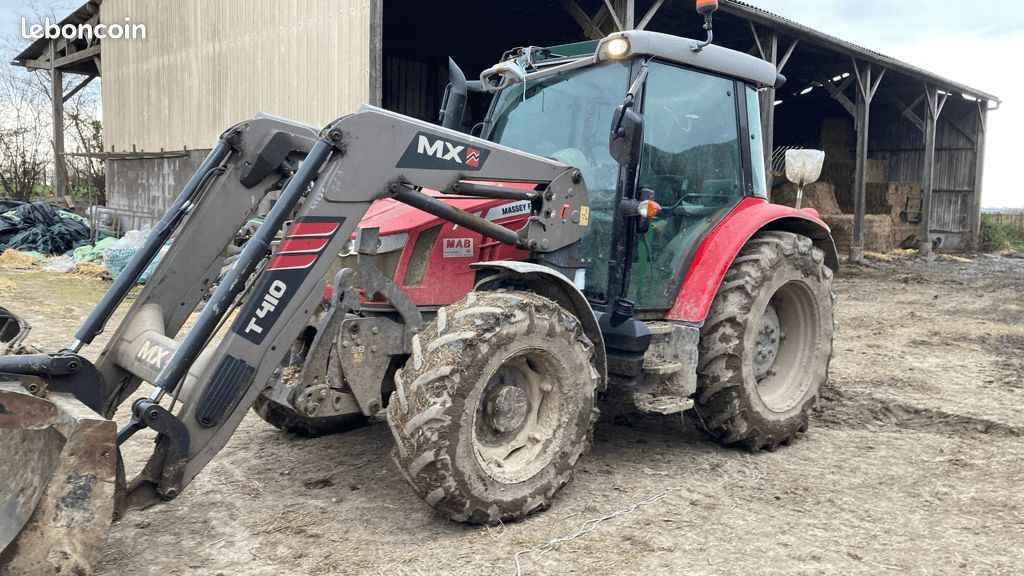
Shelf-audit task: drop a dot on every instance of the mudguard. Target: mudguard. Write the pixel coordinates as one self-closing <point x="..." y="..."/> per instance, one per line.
<point x="550" y="284"/>
<point x="716" y="252"/>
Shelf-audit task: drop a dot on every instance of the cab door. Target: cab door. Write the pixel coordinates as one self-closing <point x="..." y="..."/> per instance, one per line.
<point x="695" y="162"/>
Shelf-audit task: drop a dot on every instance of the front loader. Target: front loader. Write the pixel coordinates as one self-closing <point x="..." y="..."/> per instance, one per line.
<point x="608" y="232"/>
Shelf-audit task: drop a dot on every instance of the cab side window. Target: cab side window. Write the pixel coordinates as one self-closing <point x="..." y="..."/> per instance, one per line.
<point x="691" y="163"/>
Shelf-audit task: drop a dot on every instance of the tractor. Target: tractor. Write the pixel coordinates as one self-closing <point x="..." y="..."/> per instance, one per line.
<point x="604" y="229"/>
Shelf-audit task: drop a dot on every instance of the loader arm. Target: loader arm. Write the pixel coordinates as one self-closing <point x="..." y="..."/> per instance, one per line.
<point x="366" y="156"/>
<point x="203" y="386"/>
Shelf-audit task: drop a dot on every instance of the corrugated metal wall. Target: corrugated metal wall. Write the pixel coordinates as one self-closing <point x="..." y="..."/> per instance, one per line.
<point x="206" y="65"/>
<point x="901" y="145"/>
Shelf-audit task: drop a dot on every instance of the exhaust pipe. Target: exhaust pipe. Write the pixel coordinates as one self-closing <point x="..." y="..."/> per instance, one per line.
<point x="454" y="104"/>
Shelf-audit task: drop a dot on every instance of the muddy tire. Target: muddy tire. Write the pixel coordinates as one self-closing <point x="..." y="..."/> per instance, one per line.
<point x="766" y="344"/>
<point x="495" y="406"/>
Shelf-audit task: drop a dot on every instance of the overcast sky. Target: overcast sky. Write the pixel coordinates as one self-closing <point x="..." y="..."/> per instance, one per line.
<point x="980" y="44"/>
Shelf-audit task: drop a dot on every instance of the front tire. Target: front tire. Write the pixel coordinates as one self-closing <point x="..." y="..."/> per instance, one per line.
<point x="495" y="406"/>
<point x="766" y="345"/>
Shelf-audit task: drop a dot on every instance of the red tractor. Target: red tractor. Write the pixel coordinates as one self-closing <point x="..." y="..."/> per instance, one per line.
<point x="707" y="297"/>
<point x="608" y="231"/>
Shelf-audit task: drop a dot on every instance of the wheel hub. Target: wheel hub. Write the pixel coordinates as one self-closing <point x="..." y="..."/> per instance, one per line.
<point x="507" y="409"/>
<point x="766" y="348"/>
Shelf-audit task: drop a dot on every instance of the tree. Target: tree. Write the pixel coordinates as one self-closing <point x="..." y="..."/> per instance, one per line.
<point x="26" y="135"/>
<point x="84" y="160"/>
<point x="25" y="153"/>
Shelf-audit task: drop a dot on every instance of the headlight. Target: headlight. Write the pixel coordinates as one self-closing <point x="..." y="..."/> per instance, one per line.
<point x="615" y="48"/>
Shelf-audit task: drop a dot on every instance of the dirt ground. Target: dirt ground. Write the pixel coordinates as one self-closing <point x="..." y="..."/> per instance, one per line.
<point x="914" y="464"/>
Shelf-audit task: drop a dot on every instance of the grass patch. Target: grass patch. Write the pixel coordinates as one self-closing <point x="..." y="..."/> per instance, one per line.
<point x="1001" y="235"/>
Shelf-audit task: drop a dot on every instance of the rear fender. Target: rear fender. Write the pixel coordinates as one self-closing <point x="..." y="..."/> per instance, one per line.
<point x="550" y="284"/>
<point x="716" y="252"/>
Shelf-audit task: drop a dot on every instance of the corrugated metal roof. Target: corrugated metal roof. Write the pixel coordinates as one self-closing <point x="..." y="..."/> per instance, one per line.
<point x="764" y="17"/>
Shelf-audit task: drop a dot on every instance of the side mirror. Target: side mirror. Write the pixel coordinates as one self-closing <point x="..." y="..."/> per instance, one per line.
<point x="626" y="136"/>
<point x="803" y="167"/>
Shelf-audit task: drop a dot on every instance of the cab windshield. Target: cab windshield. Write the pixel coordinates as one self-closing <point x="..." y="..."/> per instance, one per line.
<point x="566" y="117"/>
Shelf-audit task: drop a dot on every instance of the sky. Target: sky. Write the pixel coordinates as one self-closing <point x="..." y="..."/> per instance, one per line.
<point x="980" y="44"/>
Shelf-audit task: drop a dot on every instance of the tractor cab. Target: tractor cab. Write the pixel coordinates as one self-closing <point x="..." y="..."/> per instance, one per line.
<point x="666" y="135"/>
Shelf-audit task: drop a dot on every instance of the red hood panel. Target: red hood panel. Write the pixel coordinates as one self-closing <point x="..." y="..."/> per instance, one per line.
<point x="393" y="217"/>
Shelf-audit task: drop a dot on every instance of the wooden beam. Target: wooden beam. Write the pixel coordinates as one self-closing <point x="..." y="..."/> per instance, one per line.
<point x="615" y="16"/>
<point x="838" y="93"/>
<point x="584" y="21"/>
<point x="626" y="11"/>
<point x="75" y="57"/>
<point x="865" y="92"/>
<point x="650" y="14"/>
<point x="979" y="171"/>
<point x="78" y="88"/>
<point x="771" y="50"/>
<point x="933" y="107"/>
<point x="959" y="128"/>
<point x="56" y="92"/>
<point x="785" y="57"/>
<point x="874" y="87"/>
<point x="757" y="40"/>
<point x="863" y="122"/>
<point x="376" y="72"/>
<point x="908" y="111"/>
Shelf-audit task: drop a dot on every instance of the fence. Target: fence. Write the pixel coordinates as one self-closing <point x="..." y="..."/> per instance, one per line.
<point x="1013" y="220"/>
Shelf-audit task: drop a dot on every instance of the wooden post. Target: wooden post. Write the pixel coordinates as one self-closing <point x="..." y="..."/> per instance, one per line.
<point x="979" y="170"/>
<point x="933" y="107"/>
<point x="376" y="90"/>
<point x="60" y="187"/>
<point x="768" y="49"/>
<point x="624" y="13"/>
<point x="862" y="122"/>
<point x="867" y="86"/>
<point x="771" y="54"/>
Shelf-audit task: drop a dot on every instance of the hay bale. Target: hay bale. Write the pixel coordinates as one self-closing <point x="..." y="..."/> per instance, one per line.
<point x="12" y="258"/>
<point x="820" y="196"/>
<point x="91" y="270"/>
<point x="875" y="171"/>
<point x="878" y="235"/>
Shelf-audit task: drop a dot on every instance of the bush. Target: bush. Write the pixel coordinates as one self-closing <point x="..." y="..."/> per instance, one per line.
<point x="997" y="236"/>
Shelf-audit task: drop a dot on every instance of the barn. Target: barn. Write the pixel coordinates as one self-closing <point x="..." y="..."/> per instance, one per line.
<point x="904" y="147"/>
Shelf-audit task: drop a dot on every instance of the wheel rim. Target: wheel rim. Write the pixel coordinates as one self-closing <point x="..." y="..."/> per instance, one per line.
<point x="785" y="340"/>
<point x="515" y="426"/>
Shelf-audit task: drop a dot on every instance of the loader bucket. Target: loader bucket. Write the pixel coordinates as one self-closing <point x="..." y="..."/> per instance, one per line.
<point x="57" y="482"/>
<point x="13" y="331"/>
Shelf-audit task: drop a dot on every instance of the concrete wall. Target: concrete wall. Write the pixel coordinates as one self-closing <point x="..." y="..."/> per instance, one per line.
<point x="148" y="185"/>
<point x="206" y="65"/>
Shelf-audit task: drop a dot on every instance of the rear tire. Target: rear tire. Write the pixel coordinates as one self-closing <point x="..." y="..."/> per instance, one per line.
<point x="766" y="345"/>
<point x="495" y="406"/>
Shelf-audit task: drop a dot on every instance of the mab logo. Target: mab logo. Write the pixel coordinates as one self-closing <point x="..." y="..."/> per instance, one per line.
<point x="432" y="153"/>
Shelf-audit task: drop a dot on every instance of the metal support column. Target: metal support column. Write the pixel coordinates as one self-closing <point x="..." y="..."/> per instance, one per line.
<point x="933" y="107"/>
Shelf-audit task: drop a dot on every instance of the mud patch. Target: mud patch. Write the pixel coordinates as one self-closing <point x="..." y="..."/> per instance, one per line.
<point x="841" y="409"/>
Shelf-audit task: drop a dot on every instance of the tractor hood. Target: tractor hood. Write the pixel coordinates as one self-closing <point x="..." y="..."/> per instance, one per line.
<point x="430" y="257"/>
<point x="393" y="217"/>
